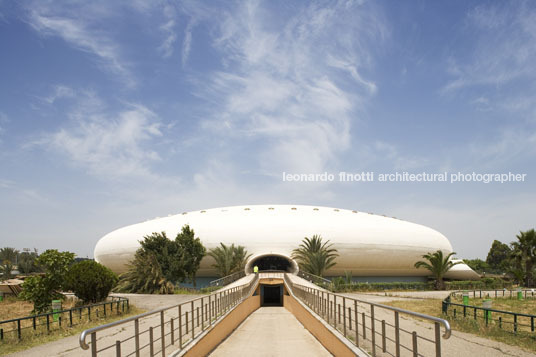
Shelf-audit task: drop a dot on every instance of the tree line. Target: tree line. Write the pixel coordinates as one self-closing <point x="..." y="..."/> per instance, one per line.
<point x="517" y="259"/>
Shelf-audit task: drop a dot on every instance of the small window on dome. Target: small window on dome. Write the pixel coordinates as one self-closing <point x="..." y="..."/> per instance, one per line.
<point x="293" y="208"/>
<point x="354" y="211"/>
<point x="247" y="209"/>
<point x="184" y="212"/>
<point x="270" y="208"/>
<point x="315" y="209"/>
<point x="336" y="210"/>
<point x="203" y="211"/>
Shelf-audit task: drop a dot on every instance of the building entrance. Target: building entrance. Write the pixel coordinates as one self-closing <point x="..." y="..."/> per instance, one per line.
<point x="272" y="262"/>
<point x="272" y="295"/>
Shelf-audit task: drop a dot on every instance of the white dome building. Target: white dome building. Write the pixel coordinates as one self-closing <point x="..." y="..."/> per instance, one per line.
<point x="371" y="247"/>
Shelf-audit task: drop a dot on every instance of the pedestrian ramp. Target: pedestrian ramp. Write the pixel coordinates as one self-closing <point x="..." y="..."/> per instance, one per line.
<point x="272" y="312"/>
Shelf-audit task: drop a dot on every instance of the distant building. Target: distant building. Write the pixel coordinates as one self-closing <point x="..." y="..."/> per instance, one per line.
<point x="372" y="247"/>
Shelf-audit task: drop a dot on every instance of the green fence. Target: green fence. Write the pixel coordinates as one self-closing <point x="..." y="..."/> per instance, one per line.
<point x="45" y="323"/>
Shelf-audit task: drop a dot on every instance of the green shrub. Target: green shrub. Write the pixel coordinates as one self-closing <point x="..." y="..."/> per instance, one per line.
<point x="41" y="290"/>
<point x="90" y="281"/>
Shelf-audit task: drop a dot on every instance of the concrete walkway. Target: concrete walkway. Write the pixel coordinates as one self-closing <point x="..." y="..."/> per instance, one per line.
<point x="270" y="331"/>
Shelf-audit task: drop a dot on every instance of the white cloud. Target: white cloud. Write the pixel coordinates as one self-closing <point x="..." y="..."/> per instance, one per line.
<point x="108" y="145"/>
<point x="59" y="92"/>
<point x="290" y="87"/>
<point x="504" y="49"/>
<point x="81" y="30"/>
<point x="168" y="28"/>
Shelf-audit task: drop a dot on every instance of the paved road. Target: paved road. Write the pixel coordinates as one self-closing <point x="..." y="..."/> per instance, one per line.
<point x="270" y="331"/>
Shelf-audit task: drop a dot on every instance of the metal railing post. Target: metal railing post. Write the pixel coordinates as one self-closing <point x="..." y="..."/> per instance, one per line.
<point x="151" y="345"/>
<point x="137" y="336"/>
<point x="364" y="322"/>
<point x="373" y="330"/>
<point x="163" y="333"/>
<point x="172" y="327"/>
<point x="356" y="324"/>
<point x="118" y="348"/>
<point x="180" y="327"/>
<point x="344" y="316"/>
<point x="384" y="345"/>
<point x="397" y="334"/>
<point x="193" y="326"/>
<point x="437" y="339"/>
<point x="415" y="347"/>
<point x="94" y="344"/>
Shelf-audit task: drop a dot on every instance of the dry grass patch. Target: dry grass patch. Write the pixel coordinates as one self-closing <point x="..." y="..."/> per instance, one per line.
<point x="13" y="308"/>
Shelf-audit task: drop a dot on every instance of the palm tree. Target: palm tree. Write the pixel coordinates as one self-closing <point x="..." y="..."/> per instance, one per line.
<point x="315" y="257"/>
<point x="144" y="276"/>
<point x="524" y="254"/>
<point x="229" y="259"/>
<point x="240" y="258"/>
<point x="8" y="259"/>
<point x="438" y="265"/>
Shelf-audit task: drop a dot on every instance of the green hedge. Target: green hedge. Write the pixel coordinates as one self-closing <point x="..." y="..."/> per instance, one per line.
<point x="486" y="283"/>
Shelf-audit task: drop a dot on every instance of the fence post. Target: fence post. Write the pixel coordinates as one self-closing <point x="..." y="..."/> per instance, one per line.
<point x="209" y="311"/>
<point x="437" y="339"/>
<point x="19" y="331"/>
<point x="118" y="348"/>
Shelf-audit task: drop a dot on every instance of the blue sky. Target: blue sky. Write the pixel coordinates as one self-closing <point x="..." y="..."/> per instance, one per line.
<point x="112" y="113"/>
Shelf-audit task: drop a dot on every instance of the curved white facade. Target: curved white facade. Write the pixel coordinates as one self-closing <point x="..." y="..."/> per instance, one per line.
<point x="368" y="244"/>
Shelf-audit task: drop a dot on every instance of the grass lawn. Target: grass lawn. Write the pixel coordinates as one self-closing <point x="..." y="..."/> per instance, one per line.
<point x="523" y="338"/>
<point x="12" y="308"/>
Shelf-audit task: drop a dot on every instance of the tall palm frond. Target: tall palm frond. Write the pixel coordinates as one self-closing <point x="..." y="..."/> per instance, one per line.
<point x="314" y="256"/>
<point x="438" y="265"/>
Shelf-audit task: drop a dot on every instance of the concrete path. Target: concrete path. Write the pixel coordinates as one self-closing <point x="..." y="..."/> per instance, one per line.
<point x="270" y="331"/>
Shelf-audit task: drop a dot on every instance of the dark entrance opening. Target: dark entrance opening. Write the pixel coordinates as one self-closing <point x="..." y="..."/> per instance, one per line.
<point x="271" y="295"/>
<point x="272" y="262"/>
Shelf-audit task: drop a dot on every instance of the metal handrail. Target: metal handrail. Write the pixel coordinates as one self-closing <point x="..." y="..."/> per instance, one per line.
<point x="312" y="278"/>
<point x="228" y="279"/>
<point x="324" y="304"/>
<point x="243" y="291"/>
